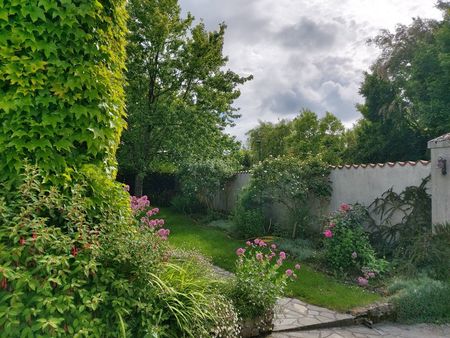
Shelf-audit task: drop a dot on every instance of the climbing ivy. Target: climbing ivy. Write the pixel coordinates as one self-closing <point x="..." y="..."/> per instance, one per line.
<point x="61" y="84"/>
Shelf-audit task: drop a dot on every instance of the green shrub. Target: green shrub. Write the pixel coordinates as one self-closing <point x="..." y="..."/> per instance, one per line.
<point x="300" y="249"/>
<point x="289" y="182"/>
<point x="249" y="216"/>
<point x="347" y="247"/>
<point x="61" y="85"/>
<point x="421" y="300"/>
<point x="186" y="204"/>
<point x="203" y="179"/>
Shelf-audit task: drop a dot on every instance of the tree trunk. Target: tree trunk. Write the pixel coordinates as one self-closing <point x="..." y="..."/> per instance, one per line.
<point x="139" y="184"/>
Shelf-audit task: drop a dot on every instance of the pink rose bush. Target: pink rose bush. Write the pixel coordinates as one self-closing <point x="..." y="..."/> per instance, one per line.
<point x="260" y="278"/>
<point x="347" y="247"/>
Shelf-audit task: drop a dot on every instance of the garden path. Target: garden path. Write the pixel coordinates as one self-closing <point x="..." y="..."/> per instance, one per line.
<point x="292" y="314"/>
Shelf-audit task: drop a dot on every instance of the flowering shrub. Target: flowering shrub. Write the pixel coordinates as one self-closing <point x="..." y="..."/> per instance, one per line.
<point x="347" y="247"/>
<point x="143" y="213"/>
<point x="259" y="278"/>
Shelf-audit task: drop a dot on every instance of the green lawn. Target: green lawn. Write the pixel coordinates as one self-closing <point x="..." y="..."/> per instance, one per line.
<point x="311" y="286"/>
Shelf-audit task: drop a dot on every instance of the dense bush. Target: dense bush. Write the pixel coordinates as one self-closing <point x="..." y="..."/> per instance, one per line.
<point x="288" y="182"/>
<point x="61" y="85"/>
<point x="347" y="247"/>
<point x="201" y="180"/>
<point x="249" y="216"/>
<point x="421" y="300"/>
<point x="71" y="265"/>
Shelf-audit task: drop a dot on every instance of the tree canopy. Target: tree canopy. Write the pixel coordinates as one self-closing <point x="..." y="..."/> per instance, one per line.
<point x="406" y="92"/>
<point x="179" y="94"/>
<point x="306" y="136"/>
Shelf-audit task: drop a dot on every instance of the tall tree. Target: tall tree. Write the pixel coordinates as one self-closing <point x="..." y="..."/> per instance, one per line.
<point x="406" y="92"/>
<point x="179" y="97"/>
<point x="268" y="139"/>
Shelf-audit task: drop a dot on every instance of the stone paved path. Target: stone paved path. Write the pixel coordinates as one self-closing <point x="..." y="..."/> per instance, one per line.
<point x="291" y="313"/>
<point x="385" y="330"/>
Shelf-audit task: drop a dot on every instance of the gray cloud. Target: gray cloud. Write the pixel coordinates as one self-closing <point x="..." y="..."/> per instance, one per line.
<point x="303" y="54"/>
<point x="309" y="34"/>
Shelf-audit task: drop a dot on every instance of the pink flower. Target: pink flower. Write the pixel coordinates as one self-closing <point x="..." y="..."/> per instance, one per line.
<point x="289" y="272"/>
<point x="362" y="281"/>
<point x="262" y="243"/>
<point x="332" y="225"/>
<point x="282" y="255"/>
<point x="345" y="207"/>
<point x="256" y="241"/>
<point x="163" y="233"/>
<point x="354" y="255"/>
<point x="240" y="251"/>
<point x="259" y="256"/>
<point x="22" y="241"/>
<point x="371" y="274"/>
<point x="279" y="261"/>
<point x="327" y="233"/>
<point x="273" y="246"/>
<point x="248" y="243"/>
<point x="297" y="266"/>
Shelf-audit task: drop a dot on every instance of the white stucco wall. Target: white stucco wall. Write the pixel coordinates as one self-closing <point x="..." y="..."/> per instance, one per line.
<point x="351" y="184"/>
<point x="363" y="184"/>
<point x="440" y="148"/>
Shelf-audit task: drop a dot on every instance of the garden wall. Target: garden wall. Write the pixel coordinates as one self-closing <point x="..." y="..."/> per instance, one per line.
<point x="351" y="184"/>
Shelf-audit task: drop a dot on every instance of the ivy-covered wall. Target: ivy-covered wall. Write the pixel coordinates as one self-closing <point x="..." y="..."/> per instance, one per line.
<point x="61" y="84"/>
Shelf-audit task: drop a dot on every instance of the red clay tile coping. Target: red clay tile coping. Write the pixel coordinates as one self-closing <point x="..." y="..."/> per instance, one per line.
<point x="382" y="165"/>
<point x="368" y="165"/>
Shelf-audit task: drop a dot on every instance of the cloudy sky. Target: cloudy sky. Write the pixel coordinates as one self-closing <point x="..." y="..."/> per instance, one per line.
<point x="302" y="53"/>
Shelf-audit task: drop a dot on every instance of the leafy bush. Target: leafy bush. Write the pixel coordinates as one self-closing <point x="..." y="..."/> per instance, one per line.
<point x="410" y="241"/>
<point x="289" y="182"/>
<point x="258" y="281"/>
<point x="203" y="179"/>
<point x="421" y="300"/>
<point x="347" y="246"/>
<point x="300" y="249"/>
<point x="72" y="266"/>
<point x="186" y="204"/>
<point x="61" y="85"/>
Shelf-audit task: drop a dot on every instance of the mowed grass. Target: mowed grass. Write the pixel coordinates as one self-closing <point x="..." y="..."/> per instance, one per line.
<point x="311" y="286"/>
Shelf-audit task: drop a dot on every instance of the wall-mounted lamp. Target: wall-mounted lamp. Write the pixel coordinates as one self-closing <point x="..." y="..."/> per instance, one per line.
<point x="442" y="164"/>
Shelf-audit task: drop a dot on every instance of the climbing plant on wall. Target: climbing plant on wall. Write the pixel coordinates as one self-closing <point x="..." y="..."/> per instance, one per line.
<point x="61" y="96"/>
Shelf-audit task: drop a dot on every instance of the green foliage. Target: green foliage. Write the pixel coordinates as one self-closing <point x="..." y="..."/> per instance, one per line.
<point x="289" y="182"/>
<point x="421" y="301"/>
<point x="61" y="85"/>
<point x="347" y="247"/>
<point x="406" y="92"/>
<point x="258" y="283"/>
<point x="304" y="137"/>
<point x="203" y="179"/>
<point x="405" y="233"/>
<point x="179" y="97"/>
<point x="403" y="216"/>
<point x="300" y="249"/>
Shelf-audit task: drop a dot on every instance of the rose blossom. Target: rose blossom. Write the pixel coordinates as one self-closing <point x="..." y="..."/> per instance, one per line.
<point x="240" y="251"/>
<point x="345" y="207"/>
<point x="362" y="281"/>
<point x="327" y="233"/>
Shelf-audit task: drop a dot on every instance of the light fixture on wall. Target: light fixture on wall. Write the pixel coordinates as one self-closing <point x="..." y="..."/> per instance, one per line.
<point x="442" y="164"/>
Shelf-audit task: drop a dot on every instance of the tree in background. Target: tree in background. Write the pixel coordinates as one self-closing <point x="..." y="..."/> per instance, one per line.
<point x="307" y="136"/>
<point x="179" y="97"/>
<point x="406" y="93"/>
<point x="268" y="139"/>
